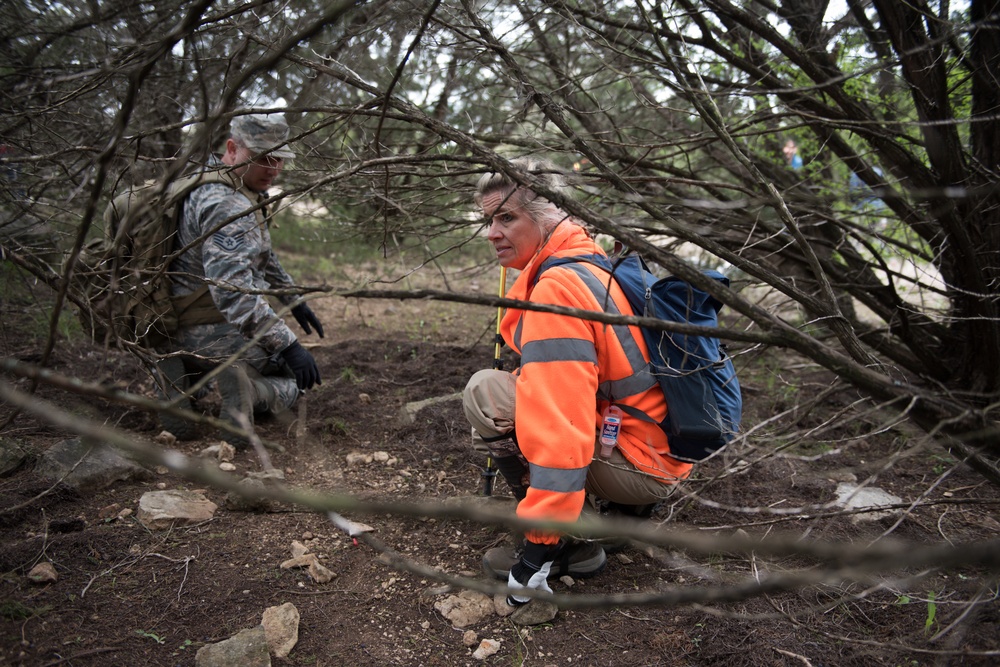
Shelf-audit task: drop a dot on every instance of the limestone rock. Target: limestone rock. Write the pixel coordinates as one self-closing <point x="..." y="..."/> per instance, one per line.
<point x="357" y="458"/>
<point x="465" y="609"/>
<point x="159" y="510"/>
<point x="500" y="605"/>
<point x="851" y="496"/>
<point x="86" y="466"/>
<point x="226" y="452"/>
<point x="12" y="456"/>
<point x="281" y="628"/>
<point x="212" y="451"/>
<point x="248" y="648"/>
<point x="320" y="573"/>
<point x="305" y="560"/>
<point x="534" y="613"/>
<point x="43" y="573"/>
<point x="165" y="438"/>
<point x="487" y="647"/>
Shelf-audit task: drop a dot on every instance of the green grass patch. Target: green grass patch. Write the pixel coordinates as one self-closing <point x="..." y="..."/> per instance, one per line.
<point x="13" y="610"/>
<point x="325" y="246"/>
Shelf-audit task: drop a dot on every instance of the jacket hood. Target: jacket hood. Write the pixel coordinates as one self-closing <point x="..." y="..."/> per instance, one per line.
<point x="566" y="240"/>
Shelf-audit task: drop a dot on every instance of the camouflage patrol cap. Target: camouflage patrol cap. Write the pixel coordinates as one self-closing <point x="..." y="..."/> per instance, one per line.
<point x="263" y="133"/>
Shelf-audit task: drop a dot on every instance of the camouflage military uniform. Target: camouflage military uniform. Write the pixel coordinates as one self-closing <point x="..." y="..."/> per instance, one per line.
<point x="238" y="258"/>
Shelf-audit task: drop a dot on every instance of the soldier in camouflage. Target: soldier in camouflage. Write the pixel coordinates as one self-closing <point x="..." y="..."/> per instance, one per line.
<point x="219" y="281"/>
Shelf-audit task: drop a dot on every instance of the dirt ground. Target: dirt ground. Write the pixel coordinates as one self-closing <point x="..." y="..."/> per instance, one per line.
<point x="129" y="596"/>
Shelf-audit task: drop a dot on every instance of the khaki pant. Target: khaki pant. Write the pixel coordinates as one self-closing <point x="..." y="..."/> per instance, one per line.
<point x="489" y="406"/>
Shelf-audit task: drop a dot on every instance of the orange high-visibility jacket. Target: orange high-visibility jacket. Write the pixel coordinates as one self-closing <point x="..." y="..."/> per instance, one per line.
<point x="564" y="362"/>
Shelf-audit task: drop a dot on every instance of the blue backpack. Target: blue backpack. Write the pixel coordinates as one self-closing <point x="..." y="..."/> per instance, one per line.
<point x="704" y="403"/>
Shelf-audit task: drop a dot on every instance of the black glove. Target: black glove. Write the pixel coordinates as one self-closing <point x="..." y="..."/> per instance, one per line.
<point x="307" y="319"/>
<point x="532" y="571"/>
<point x="302" y="364"/>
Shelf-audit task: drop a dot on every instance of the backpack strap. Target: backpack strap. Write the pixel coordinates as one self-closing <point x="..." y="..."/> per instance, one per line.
<point x="182" y="187"/>
<point x="641" y="378"/>
<point x="198" y="307"/>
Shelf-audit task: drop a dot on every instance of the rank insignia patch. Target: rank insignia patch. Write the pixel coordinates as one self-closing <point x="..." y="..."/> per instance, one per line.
<point x="227" y="243"/>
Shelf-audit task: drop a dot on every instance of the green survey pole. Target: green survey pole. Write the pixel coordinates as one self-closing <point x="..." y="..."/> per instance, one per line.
<point x="490" y="473"/>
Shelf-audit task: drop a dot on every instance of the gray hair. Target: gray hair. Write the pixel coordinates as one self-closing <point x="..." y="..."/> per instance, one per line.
<point x="540" y="209"/>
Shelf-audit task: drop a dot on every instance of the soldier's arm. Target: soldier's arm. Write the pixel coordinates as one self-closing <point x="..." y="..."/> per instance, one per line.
<point x="229" y="255"/>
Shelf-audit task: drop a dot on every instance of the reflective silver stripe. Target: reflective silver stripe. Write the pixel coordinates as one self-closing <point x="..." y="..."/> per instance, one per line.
<point x="642" y="378"/>
<point x="558" y="349"/>
<point x="557" y="479"/>
<point x="517" y="332"/>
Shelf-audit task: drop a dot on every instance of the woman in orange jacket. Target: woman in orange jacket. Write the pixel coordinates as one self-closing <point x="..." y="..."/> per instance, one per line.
<point x="571" y="370"/>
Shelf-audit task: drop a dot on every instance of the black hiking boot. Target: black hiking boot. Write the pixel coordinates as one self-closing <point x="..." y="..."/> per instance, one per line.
<point x="575" y="558"/>
<point x="174" y="378"/>
<point x="237" y="403"/>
